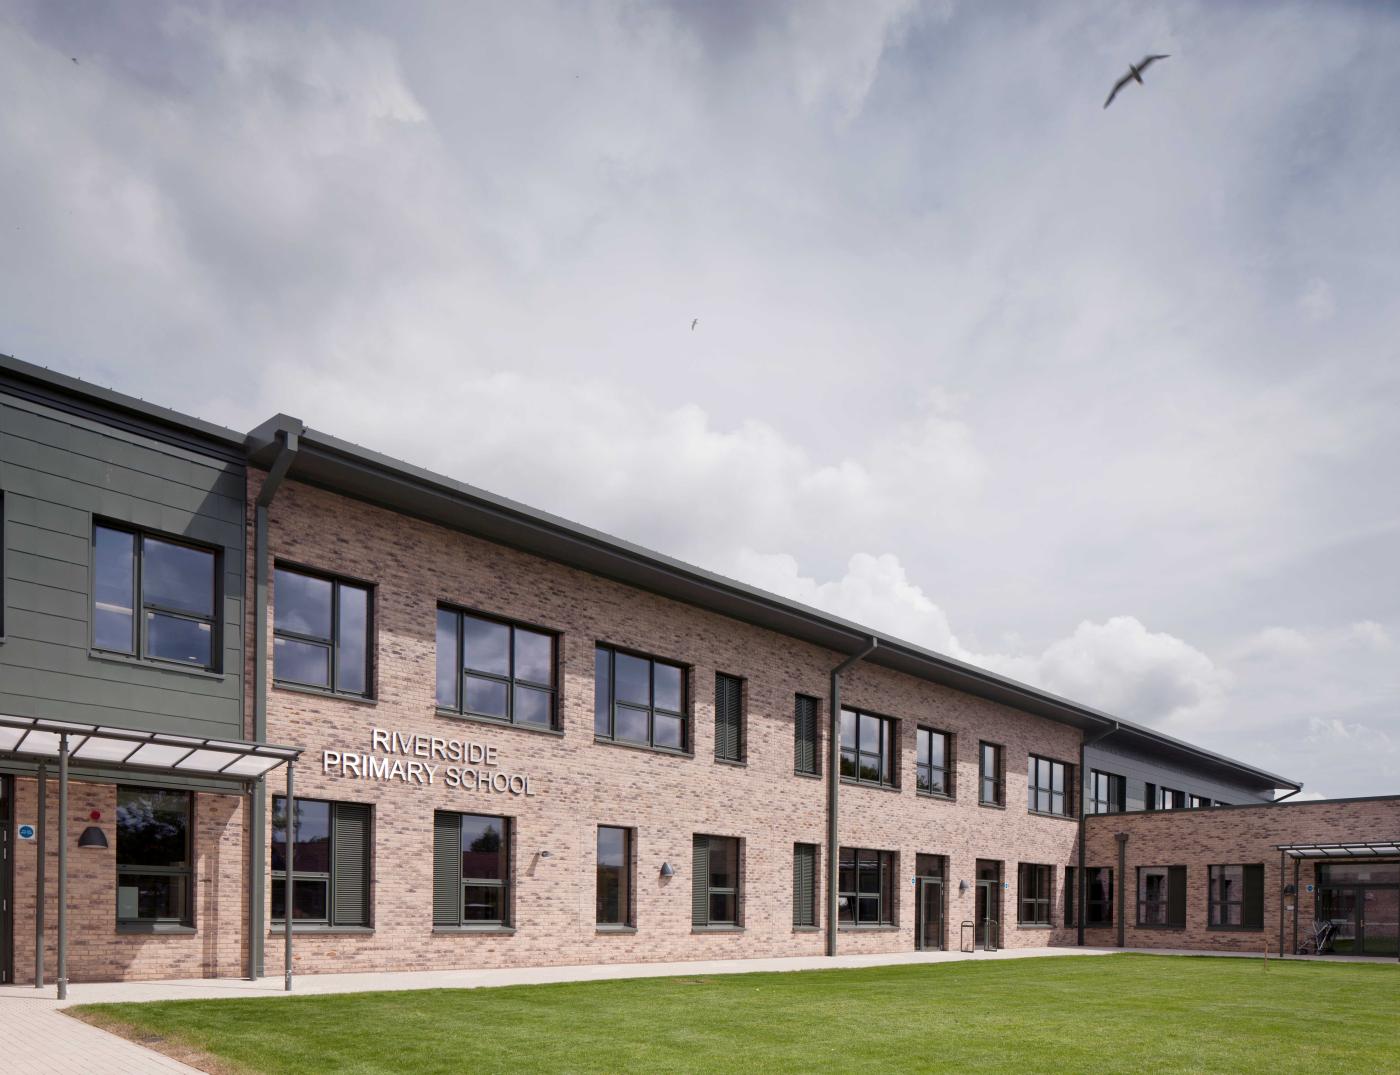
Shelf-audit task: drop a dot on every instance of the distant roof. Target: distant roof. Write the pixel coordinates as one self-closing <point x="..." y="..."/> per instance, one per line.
<point x="326" y="461"/>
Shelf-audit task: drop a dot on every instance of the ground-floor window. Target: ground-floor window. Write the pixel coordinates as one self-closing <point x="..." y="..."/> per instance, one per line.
<point x="1162" y="896"/>
<point x="330" y="862"/>
<point x="866" y="889"/>
<point x="471" y="870"/>
<point x="804" y="884"/>
<point x="714" y="881"/>
<point x="1098" y="896"/>
<point x="1034" y="884"/>
<point x="1237" y="897"/>
<point x="154" y="857"/>
<point x="1071" y="901"/>
<point x="614" y="876"/>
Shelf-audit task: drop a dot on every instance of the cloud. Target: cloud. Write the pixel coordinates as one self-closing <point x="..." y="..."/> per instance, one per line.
<point x="1316" y="300"/>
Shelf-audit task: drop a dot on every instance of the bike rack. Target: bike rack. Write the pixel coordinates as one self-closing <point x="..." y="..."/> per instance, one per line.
<point x="992" y="941"/>
<point x="964" y="943"/>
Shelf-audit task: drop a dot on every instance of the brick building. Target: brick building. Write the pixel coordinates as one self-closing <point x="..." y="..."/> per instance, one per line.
<point x="522" y="741"/>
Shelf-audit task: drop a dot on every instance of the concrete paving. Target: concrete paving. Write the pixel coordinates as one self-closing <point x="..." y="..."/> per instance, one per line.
<point x="36" y="1037"/>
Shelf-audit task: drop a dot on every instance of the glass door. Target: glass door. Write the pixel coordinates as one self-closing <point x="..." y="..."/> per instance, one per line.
<point x="1339" y="906"/>
<point x="1380" y="921"/>
<point x="988" y="905"/>
<point x="929" y="933"/>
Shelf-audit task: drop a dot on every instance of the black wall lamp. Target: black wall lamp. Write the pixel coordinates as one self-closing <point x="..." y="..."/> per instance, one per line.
<point x="93" y="837"/>
<point x="666" y="870"/>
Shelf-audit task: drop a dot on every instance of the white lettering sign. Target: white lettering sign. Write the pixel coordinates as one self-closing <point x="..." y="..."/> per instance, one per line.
<point x="424" y="760"/>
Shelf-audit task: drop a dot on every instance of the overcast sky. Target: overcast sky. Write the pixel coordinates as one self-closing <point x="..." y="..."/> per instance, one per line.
<point x="1105" y="400"/>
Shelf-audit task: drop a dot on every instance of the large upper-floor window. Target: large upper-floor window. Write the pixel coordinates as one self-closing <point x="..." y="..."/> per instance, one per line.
<point x="1162" y="896"/>
<point x="991" y="775"/>
<point x="321" y="632"/>
<point x="614" y="876"/>
<point x="471" y="870"/>
<point x="1237" y="897"/>
<point x="867" y="748"/>
<point x="865" y="893"/>
<point x="1049" y="786"/>
<point x="154" y="598"/>
<point x="639" y="700"/>
<point x="154" y="857"/>
<point x="330" y="862"/>
<point x="1034" y="894"/>
<point x="1160" y="798"/>
<point x="714" y="889"/>
<point x="1197" y="802"/>
<point x="806" y="740"/>
<point x="496" y="670"/>
<point x="1098" y="896"/>
<point x="1108" y="793"/>
<point x="933" y="764"/>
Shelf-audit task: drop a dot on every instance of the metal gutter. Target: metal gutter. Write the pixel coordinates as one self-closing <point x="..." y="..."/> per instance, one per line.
<point x="833" y="794"/>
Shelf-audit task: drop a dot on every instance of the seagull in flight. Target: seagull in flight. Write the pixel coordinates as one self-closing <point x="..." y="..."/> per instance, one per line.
<point x="694" y="323"/>
<point x="1134" y="74"/>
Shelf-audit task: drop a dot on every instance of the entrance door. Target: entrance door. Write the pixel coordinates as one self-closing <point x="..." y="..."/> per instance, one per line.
<point x="1380" y="921"/>
<point x="7" y="896"/>
<point x="988" y="905"/>
<point x="928" y="934"/>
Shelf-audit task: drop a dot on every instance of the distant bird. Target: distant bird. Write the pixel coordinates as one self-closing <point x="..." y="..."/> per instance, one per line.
<point x="73" y="58"/>
<point x="1134" y="74"/>
<point x="694" y="323"/>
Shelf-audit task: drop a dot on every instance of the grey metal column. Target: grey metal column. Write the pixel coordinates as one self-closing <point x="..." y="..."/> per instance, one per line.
<point x="290" y="830"/>
<point x="1282" y="873"/>
<point x="39" y="877"/>
<point x="833" y="795"/>
<point x="63" y="866"/>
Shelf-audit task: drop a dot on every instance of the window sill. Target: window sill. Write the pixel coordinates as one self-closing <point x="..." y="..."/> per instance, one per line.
<point x="1037" y="925"/>
<point x="867" y="929"/>
<point x="163" y="666"/>
<point x="866" y="784"/>
<point x="624" y="930"/>
<point x="937" y="796"/>
<point x="1057" y="817"/>
<point x="806" y="776"/>
<point x="806" y="929"/>
<point x="732" y="763"/>
<point x="665" y="751"/>
<point x="716" y="929"/>
<point x="484" y="931"/>
<point x="319" y="692"/>
<point x="992" y="806"/>
<point x="277" y="929"/>
<point x="453" y="714"/>
<point x="1235" y="929"/>
<point x="1161" y="929"/>
<point x="169" y="929"/>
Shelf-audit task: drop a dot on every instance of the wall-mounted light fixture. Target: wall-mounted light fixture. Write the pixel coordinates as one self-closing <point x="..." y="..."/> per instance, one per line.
<point x="666" y="870"/>
<point x="1289" y="889"/>
<point x="546" y="854"/>
<point x="92" y="836"/>
<point x="962" y="887"/>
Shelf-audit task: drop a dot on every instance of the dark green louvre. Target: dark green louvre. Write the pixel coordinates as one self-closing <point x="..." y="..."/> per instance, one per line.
<point x="447" y="869"/>
<point x="350" y="871"/>
<point x="1252" y="913"/>
<point x="729" y="717"/>
<point x="1176" y="896"/>
<point x="700" y="881"/>
<point x="804" y="884"/>
<point x="805" y="756"/>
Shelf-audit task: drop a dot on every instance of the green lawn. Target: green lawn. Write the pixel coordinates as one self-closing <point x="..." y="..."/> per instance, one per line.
<point x="1065" y="1014"/>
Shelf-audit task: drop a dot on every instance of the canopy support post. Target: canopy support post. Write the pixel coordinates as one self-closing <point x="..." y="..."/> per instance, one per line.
<point x="287" y="885"/>
<point x="63" y="866"/>
<point x="39" y="877"/>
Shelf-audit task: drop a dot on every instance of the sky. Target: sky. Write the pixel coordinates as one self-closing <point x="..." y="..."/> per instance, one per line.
<point x="1102" y="399"/>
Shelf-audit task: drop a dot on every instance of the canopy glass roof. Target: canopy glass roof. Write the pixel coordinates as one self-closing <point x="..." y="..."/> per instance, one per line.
<point x="1365" y="849"/>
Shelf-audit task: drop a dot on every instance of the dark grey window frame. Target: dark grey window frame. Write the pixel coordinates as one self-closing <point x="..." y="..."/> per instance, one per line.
<point x="1036" y="764"/>
<point x="806" y="873"/>
<point x="332" y="645"/>
<point x="629" y="887"/>
<point x="1034" y="909"/>
<point x="948" y="769"/>
<point x="139" y="628"/>
<point x="1164" y="798"/>
<point x="1250" y="901"/>
<point x="1173" y="898"/>
<point x="996" y="780"/>
<point x="186" y="917"/>
<point x="702" y="890"/>
<point x="505" y="884"/>
<point x="886" y="895"/>
<point x="887" y="751"/>
<point x="687" y="737"/>
<point x="1104" y="907"/>
<point x="510" y="681"/>
<point x="814" y="768"/>
<point x="332" y="919"/>
<point x="723" y="680"/>
<point x="1108" y="792"/>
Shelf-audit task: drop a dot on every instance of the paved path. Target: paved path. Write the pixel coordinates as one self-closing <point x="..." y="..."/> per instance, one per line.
<point x="38" y="1038"/>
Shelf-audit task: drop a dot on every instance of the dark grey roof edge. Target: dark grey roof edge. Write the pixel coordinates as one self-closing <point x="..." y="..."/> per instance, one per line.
<point x="1044" y="702"/>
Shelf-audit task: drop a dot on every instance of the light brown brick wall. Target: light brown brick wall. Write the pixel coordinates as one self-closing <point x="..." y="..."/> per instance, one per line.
<point x="1199" y="839"/>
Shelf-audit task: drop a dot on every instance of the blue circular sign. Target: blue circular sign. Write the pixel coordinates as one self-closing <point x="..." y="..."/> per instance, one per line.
<point x="26" y="832"/>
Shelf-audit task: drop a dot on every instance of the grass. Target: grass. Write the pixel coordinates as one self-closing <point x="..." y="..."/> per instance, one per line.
<point x="1118" y="1013"/>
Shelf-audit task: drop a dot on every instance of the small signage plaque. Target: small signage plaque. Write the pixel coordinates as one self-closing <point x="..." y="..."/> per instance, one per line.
<point x="25" y="832"/>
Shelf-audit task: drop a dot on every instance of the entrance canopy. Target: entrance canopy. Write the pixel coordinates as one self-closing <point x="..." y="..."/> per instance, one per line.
<point x="1362" y="850"/>
<point x="150" y="752"/>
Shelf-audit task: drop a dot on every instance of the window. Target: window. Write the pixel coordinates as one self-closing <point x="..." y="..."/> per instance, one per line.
<point x="1162" y="897"/>
<point x="865" y="893"/>
<point x="321" y="632"/>
<point x="471" y="870"/>
<point x="714" y="886"/>
<point x="1160" y="798"/>
<point x="1237" y="897"/>
<point x="992" y="782"/>
<point x="154" y="874"/>
<point x="729" y="717"/>
<point x="1034" y="884"/>
<point x="1198" y="802"/>
<point x="932" y="766"/>
<point x="806" y="757"/>
<point x="639" y="700"/>
<point x="154" y="598"/>
<point x="1098" y="896"/>
<point x="804" y="885"/>
<point x="495" y="670"/>
<point x="1049" y="787"/>
<point x="614" y="876"/>
<point x="867" y="748"/>
<point x="1071" y="903"/>
<point x="330" y="862"/>
<point x="1108" y="793"/>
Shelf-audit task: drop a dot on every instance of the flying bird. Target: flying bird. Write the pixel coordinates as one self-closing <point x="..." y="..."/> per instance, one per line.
<point x="693" y="323"/>
<point x="1134" y="74"/>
